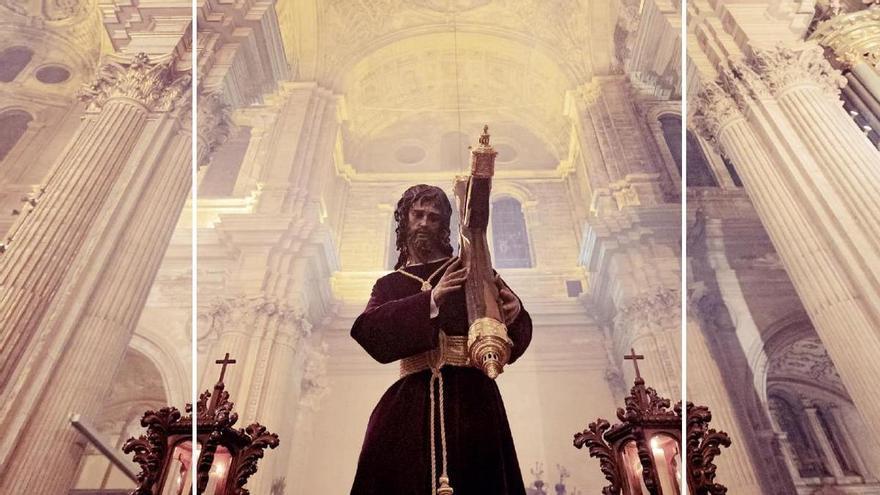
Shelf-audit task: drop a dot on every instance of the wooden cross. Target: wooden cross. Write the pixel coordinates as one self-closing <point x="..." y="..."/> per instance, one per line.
<point x="224" y="362"/>
<point x="635" y="359"/>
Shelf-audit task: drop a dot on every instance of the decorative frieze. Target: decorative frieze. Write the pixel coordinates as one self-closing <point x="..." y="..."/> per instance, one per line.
<point x="253" y="315"/>
<point x="655" y="311"/>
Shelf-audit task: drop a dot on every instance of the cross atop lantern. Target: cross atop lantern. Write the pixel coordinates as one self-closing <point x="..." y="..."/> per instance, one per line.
<point x="225" y="457"/>
<point x="641" y="455"/>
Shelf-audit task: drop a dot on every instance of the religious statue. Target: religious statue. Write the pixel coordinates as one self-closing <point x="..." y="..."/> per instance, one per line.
<point x="442" y="425"/>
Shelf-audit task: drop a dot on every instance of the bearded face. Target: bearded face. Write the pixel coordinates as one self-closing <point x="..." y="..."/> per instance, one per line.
<point x="424" y="229"/>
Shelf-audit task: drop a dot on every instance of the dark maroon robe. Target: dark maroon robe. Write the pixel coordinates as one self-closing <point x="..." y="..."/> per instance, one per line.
<point x="396" y="455"/>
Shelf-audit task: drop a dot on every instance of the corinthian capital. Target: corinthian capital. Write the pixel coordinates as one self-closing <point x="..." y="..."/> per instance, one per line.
<point x="783" y="67"/>
<point x="214" y="125"/>
<point x="715" y="108"/>
<point x="157" y="86"/>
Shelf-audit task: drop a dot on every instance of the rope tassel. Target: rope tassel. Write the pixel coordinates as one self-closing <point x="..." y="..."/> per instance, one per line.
<point x="445" y="488"/>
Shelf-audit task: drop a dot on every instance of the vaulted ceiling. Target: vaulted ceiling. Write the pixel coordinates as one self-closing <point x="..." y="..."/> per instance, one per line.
<point x="420" y="77"/>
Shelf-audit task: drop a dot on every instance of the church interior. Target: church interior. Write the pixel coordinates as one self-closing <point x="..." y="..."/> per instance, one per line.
<point x="314" y="116"/>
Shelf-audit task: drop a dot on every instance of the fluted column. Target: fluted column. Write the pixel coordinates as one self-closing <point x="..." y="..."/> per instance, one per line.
<point x="265" y="336"/>
<point x="853" y="448"/>
<point x="816" y="217"/>
<point x="651" y="324"/>
<point x="75" y="278"/>
<point x="736" y="465"/>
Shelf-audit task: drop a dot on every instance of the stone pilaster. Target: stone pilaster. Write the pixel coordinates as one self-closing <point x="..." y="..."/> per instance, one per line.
<point x="75" y="278"/>
<point x="787" y="136"/>
<point x="736" y="465"/>
<point x="651" y="324"/>
<point x="634" y="263"/>
<point x="266" y="337"/>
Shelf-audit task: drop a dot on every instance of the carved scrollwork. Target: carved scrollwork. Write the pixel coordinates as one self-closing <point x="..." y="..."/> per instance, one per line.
<point x="219" y="413"/>
<point x="157" y="86"/>
<point x="645" y="404"/>
<point x="703" y="444"/>
<point x="594" y="439"/>
<point x="151" y="449"/>
<point x="258" y="439"/>
<point x="658" y="310"/>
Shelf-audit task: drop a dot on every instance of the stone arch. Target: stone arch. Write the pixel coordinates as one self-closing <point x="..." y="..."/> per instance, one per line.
<point x="801" y="384"/>
<point x="172" y="372"/>
<point x="137" y="387"/>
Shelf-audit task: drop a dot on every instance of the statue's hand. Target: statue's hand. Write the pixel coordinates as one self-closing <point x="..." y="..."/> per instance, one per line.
<point x="451" y="281"/>
<point x="510" y="305"/>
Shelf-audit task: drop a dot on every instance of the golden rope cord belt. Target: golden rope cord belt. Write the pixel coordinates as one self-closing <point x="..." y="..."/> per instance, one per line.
<point x="452" y="351"/>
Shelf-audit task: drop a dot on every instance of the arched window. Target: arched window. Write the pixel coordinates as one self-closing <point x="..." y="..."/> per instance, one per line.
<point x="810" y="461"/>
<point x="699" y="174"/>
<point x="510" y="240"/>
<point x="13" y="60"/>
<point x="671" y="125"/>
<point x="835" y="439"/>
<point x="13" y="125"/>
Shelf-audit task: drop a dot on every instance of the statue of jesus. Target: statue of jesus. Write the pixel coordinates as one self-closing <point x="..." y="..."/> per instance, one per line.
<point x="442" y="425"/>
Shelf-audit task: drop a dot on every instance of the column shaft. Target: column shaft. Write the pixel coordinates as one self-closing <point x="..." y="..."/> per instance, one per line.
<point x="82" y="344"/>
<point x="736" y="468"/>
<point x="843" y="322"/>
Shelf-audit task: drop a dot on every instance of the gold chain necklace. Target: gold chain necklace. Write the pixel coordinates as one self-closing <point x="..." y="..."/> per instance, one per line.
<point x="426" y="285"/>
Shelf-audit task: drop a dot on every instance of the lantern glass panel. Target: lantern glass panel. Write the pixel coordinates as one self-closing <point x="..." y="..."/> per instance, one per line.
<point x="632" y="467"/>
<point x="219" y="472"/>
<point x="667" y="458"/>
<point x="178" y="476"/>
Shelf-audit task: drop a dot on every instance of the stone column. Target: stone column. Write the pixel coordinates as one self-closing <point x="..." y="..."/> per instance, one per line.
<point x="265" y="337"/>
<point x="736" y="465"/>
<point x="853" y="448"/>
<point x="816" y="217"/>
<point x="75" y="278"/>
